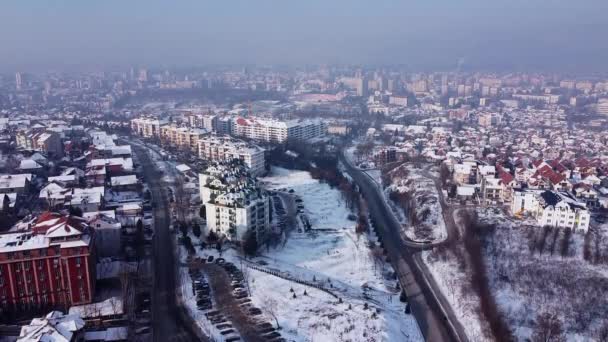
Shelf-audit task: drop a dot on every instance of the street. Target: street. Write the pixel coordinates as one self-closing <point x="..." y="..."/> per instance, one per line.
<point x="433" y="314"/>
<point x="166" y="322"/>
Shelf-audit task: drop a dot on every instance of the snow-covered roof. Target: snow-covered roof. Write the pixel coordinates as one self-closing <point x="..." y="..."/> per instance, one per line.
<point x="14" y="181"/>
<point x="54" y="327"/>
<point x="109" y="307"/>
<point x="183" y="168"/>
<point x="465" y="191"/>
<point x="29" y="164"/>
<point x="123" y="180"/>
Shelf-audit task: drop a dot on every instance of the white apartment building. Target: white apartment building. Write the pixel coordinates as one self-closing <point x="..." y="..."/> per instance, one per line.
<point x="215" y="148"/>
<point x="551" y="208"/>
<point x="148" y="127"/>
<point x="271" y="130"/>
<point x="182" y="137"/>
<point x="234" y="203"/>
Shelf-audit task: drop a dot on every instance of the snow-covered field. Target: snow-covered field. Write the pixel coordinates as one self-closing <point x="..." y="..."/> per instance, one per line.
<point x="429" y="225"/>
<point x="331" y="253"/>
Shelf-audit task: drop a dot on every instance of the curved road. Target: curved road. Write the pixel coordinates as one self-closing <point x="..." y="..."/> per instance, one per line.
<point x="432" y="311"/>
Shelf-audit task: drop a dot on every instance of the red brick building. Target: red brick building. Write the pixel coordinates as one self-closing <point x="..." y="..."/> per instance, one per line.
<point x="51" y="264"/>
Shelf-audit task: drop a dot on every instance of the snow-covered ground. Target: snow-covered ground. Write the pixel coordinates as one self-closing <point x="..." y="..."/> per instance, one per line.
<point x="454" y="283"/>
<point x="429" y="225"/>
<point x="331" y="253"/>
<point x="530" y="277"/>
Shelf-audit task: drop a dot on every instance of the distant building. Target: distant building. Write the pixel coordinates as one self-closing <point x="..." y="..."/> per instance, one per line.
<point x="223" y="125"/>
<point x="18" y="81"/>
<point x="398" y="100"/>
<point x="271" y="130"/>
<point x="148" y="127"/>
<point x="602" y="107"/>
<point x="362" y="86"/>
<point x="488" y="119"/>
<point x="204" y="121"/>
<point x="181" y="137"/>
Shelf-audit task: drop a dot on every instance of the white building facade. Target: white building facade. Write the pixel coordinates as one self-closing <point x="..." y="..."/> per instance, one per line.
<point x="277" y="131"/>
<point x="234" y="203"/>
<point x="551" y="208"/>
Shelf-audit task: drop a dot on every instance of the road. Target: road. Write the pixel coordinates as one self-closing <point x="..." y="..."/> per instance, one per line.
<point x="166" y="322"/>
<point x="432" y="311"/>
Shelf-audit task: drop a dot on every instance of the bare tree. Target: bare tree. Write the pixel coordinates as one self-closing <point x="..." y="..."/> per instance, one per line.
<point x="548" y="329"/>
<point x="444" y="174"/>
<point x="182" y="202"/>
<point x="271" y="308"/>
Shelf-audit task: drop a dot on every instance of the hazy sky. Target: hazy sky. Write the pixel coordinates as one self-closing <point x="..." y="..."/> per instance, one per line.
<point x="421" y="33"/>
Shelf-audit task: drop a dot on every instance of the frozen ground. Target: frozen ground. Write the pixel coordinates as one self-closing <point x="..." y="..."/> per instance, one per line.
<point x="409" y="182"/>
<point x="335" y="257"/>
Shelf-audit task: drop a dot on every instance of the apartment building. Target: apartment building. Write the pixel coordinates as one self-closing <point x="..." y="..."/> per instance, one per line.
<point x="234" y="203"/>
<point x="205" y="121"/>
<point x="181" y="137"/>
<point x="51" y="263"/>
<point x="215" y="148"/>
<point x="148" y="127"/>
<point x="271" y="130"/>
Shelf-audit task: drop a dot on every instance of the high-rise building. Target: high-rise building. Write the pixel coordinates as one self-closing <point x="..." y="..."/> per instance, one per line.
<point x="362" y="86"/>
<point x="234" y="203"/>
<point x="143" y="75"/>
<point x="18" y="80"/>
<point x="216" y="148"/>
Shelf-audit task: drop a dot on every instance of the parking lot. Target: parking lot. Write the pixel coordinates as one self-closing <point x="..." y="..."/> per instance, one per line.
<point x="221" y="293"/>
